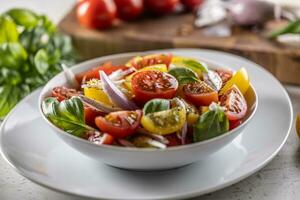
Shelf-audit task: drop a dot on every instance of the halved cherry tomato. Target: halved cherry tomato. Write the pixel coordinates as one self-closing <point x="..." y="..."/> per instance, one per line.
<point x="63" y="93"/>
<point x="108" y="68"/>
<point x="240" y="79"/>
<point x="234" y="124"/>
<point x="147" y="85"/>
<point x="173" y="140"/>
<point x="90" y="114"/>
<point x="200" y="94"/>
<point x="119" y="124"/>
<point x="145" y="61"/>
<point x="161" y="7"/>
<point x="164" y="122"/>
<point x="225" y="75"/>
<point x="129" y="9"/>
<point x="98" y="138"/>
<point x="158" y="67"/>
<point x="234" y="103"/>
<point x="96" y="13"/>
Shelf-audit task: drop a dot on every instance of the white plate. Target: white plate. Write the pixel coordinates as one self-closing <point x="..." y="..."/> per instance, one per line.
<point x="37" y="153"/>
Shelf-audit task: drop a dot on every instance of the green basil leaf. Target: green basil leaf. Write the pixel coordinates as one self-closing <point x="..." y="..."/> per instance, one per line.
<point x="184" y="75"/>
<point x="12" y="55"/>
<point x="41" y="61"/>
<point x="156" y="105"/>
<point x="67" y="115"/>
<point x="195" y="65"/>
<point x="292" y="27"/>
<point x="9" y="97"/>
<point x="23" y="17"/>
<point x="210" y="124"/>
<point x="8" y="30"/>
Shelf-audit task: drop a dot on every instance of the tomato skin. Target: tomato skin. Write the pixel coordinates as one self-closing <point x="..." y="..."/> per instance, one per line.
<point x="116" y="124"/>
<point x="90" y="114"/>
<point x="147" y="85"/>
<point x="173" y="140"/>
<point x="161" y="7"/>
<point x="98" y="138"/>
<point x="149" y="60"/>
<point x="225" y="75"/>
<point x="240" y="79"/>
<point x="108" y="68"/>
<point x="204" y="97"/>
<point x="96" y="14"/>
<point x="234" y="103"/>
<point x="192" y="4"/>
<point x="129" y="9"/>
<point x="63" y="93"/>
<point x="234" y="124"/>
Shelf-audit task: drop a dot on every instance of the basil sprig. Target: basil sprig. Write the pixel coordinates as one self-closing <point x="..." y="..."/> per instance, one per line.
<point x="156" y="105"/>
<point x="184" y="75"/>
<point x="210" y="124"/>
<point x="67" y="115"/>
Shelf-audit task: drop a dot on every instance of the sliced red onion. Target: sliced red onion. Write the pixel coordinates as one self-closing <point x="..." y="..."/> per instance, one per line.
<point x="144" y="141"/>
<point x="184" y="133"/>
<point x="157" y="137"/>
<point x="213" y="79"/>
<point x="70" y="76"/>
<point x="119" y="74"/>
<point x="115" y="94"/>
<point x="98" y="105"/>
<point x="125" y="143"/>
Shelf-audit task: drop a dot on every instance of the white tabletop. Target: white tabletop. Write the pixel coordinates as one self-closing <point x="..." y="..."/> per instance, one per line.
<point x="279" y="180"/>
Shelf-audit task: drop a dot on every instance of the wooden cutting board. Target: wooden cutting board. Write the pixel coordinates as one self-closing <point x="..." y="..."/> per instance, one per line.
<point x="177" y="31"/>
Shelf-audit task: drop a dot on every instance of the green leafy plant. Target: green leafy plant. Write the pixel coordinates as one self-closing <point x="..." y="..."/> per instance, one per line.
<point x="67" y="115"/>
<point x="184" y="75"/>
<point x="292" y="27"/>
<point x="31" y="52"/>
<point x="156" y="105"/>
<point x="210" y="124"/>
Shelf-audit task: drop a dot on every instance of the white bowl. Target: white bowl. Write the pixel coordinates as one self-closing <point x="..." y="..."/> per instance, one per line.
<point x="136" y="158"/>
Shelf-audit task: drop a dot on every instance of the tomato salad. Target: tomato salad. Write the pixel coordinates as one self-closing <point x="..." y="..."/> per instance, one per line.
<point x="152" y="101"/>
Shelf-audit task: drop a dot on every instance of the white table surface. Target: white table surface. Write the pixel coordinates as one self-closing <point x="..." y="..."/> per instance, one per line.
<point x="279" y="180"/>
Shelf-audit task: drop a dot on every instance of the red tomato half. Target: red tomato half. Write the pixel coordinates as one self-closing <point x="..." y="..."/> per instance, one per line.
<point x="129" y="9"/>
<point x="234" y="103"/>
<point x="96" y="14"/>
<point x="224" y="74"/>
<point x="108" y="68"/>
<point x="161" y="7"/>
<point x="63" y="93"/>
<point x="234" y="124"/>
<point x="98" y="138"/>
<point x="200" y="94"/>
<point x="119" y="124"/>
<point x="145" y="61"/>
<point x="90" y="114"/>
<point x="147" y="85"/>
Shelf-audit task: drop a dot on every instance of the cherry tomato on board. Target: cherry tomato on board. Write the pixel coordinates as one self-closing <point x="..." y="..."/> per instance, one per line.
<point x="108" y="68"/>
<point x="119" y="124"/>
<point x="147" y="85"/>
<point x="234" y="103"/>
<point x="96" y="14"/>
<point x="192" y="4"/>
<point x="129" y="9"/>
<point x="200" y="94"/>
<point x="161" y="7"/>
<point x="140" y="62"/>
<point x="63" y="93"/>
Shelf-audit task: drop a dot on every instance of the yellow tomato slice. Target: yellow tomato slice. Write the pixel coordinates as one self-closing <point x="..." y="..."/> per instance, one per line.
<point x="164" y="122"/>
<point x="159" y="67"/>
<point x="96" y="94"/>
<point x="240" y="79"/>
